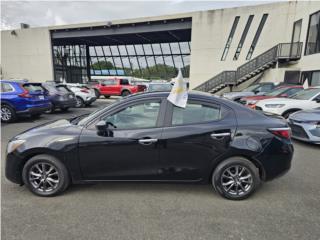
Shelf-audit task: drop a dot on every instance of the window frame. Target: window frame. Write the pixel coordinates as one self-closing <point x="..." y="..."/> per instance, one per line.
<point x="119" y="107"/>
<point x="305" y="49"/>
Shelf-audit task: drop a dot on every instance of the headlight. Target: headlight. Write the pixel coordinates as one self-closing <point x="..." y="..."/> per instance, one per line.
<point x="274" y="105"/>
<point x="13" y="145"/>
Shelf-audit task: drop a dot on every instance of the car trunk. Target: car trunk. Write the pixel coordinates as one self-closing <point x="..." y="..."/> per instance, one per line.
<point x="34" y="90"/>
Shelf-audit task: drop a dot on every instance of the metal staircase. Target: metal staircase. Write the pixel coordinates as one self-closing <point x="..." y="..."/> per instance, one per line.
<point x="282" y="52"/>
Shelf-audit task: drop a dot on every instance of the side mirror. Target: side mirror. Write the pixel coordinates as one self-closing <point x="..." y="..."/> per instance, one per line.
<point x="101" y="127"/>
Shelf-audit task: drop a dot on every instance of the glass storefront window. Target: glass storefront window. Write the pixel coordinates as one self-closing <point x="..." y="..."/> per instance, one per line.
<point x="313" y="36"/>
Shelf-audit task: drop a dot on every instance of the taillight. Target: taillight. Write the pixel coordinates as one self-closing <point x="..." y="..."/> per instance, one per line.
<point x="281" y="132"/>
<point x="84" y="90"/>
<point x="25" y="94"/>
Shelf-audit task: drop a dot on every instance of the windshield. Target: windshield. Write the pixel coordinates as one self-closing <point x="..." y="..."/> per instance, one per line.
<point x="251" y="88"/>
<point x="276" y="92"/>
<point x="160" y="87"/>
<point x="306" y="94"/>
<point x="96" y="113"/>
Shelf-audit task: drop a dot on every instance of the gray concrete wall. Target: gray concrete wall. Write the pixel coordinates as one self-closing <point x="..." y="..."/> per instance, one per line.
<point x="26" y="54"/>
<point x="210" y="30"/>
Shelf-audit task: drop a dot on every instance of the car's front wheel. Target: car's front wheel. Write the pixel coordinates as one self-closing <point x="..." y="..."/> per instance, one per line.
<point x="236" y="178"/>
<point x="45" y="176"/>
<point x="8" y="114"/>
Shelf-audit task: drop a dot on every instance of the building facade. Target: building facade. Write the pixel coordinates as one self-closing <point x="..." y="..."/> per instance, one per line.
<point x="272" y="42"/>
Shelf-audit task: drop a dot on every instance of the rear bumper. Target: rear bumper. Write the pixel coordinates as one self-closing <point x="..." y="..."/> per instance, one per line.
<point x="35" y="109"/>
<point x="65" y="104"/>
<point x="90" y="100"/>
<point x="276" y="158"/>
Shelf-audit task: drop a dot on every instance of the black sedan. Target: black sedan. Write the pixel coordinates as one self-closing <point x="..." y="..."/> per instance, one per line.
<point x="144" y="137"/>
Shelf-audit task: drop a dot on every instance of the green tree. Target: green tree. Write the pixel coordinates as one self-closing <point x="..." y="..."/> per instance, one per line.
<point x="102" y="65"/>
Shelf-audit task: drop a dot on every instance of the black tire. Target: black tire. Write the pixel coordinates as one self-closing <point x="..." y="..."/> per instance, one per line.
<point x="8" y="114"/>
<point x="248" y="184"/>
<point x="287" y="113"/>
<point x="80" y="102"/>
<point x="64" y="109"/>
<point x="125" y="93"/>
<point x="62" y="176"/>
<point x="51" y="110"/>
<point x="88" y="104"/>
<point x="106" y="96"/>
<point x="98" y="94"/>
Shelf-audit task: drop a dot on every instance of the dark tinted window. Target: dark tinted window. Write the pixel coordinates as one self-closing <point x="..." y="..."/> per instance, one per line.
<point x="313" y="37"/>
<point x="243" y="37"/>
<point x="256" y="36"/>
<point x="195" y="113"/>
<point x="124" y="82"/>
<point x="229" y="40"/>
<point x="63" y="89"/>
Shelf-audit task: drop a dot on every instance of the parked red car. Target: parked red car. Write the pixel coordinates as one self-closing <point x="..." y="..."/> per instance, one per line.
<point x="117" y="87"/>
<point x="282" y="91"/>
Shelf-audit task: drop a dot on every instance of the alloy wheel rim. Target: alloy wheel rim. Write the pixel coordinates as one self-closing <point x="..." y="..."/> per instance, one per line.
<point x="5" y="114"/>
<point x="44" y="177"/>
<point x="78" y="102"/>
<point x="236" y="180"/>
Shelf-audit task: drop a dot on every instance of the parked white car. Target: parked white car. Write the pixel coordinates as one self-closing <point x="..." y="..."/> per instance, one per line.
<point x="303" y="100"/>
<point x="84" y="95"/>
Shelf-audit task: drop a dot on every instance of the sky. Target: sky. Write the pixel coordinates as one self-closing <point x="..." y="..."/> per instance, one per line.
<point x="48" y="13"/>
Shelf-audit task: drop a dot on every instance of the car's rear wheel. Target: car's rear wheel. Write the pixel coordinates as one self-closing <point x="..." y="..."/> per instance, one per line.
<point x="8" y="114"/>
<point x="80" y="102"/>
<point x="125" y="93"/>
<point x="288" y="113"/>
<point x="45" y="176"/>
<point x="236" y="178"/>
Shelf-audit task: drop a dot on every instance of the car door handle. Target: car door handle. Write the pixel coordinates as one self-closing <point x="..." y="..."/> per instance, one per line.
<point x="147" y="141"/>
<point x="220" y="135"/>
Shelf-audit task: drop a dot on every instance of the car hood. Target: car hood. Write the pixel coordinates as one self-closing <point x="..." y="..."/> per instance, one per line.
<point x="237" y="94"/>
<point x="281" y="100"/>
<point x="54" y="127"/>
<point x="306" y="115"/>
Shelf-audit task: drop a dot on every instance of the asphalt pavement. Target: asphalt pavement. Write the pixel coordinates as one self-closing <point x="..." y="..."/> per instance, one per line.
<point x="286" y="208"/>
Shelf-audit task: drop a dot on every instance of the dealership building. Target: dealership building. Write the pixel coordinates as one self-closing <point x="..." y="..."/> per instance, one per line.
<point x="277" y="42"/>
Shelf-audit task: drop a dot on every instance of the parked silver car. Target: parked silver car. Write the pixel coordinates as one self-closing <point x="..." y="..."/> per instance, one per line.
<point x="305" y="125"/>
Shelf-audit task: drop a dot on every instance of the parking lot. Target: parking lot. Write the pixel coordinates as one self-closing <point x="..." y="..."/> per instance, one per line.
<point x="287" y="208"/>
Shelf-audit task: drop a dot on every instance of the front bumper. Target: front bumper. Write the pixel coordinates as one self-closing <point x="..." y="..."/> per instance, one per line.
<point x="304" y="131"/>
<point x="65" y="104"/>
<point x="90" y="100"/>
<point x="35" y="109"/>
<point x="13" y="168"/>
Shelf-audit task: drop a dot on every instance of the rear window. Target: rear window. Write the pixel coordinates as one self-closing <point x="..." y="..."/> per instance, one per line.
<point x="63" y="89"/>
<point x="33" y="87"/>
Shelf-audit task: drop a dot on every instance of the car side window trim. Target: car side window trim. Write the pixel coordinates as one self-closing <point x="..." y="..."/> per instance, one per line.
<point x="118" y="108"/>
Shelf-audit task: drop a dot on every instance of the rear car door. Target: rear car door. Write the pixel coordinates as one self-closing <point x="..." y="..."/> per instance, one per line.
<point x="193" y="138"/>
<point x="130" y="151"/>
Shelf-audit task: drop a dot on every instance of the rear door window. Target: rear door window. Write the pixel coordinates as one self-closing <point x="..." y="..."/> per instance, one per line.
<point x="195" y="113"/>
<point x="124" y="82"/>
<point x="6" y="87"/>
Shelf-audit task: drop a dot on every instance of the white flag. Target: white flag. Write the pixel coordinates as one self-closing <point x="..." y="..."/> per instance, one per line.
<point x="306" y="84"/>
<point x="179" y="92"/>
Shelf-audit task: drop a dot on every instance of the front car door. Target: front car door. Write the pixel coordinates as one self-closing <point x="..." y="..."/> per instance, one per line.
<point x="131" y="151"/>
<point x="194" y="138"/>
